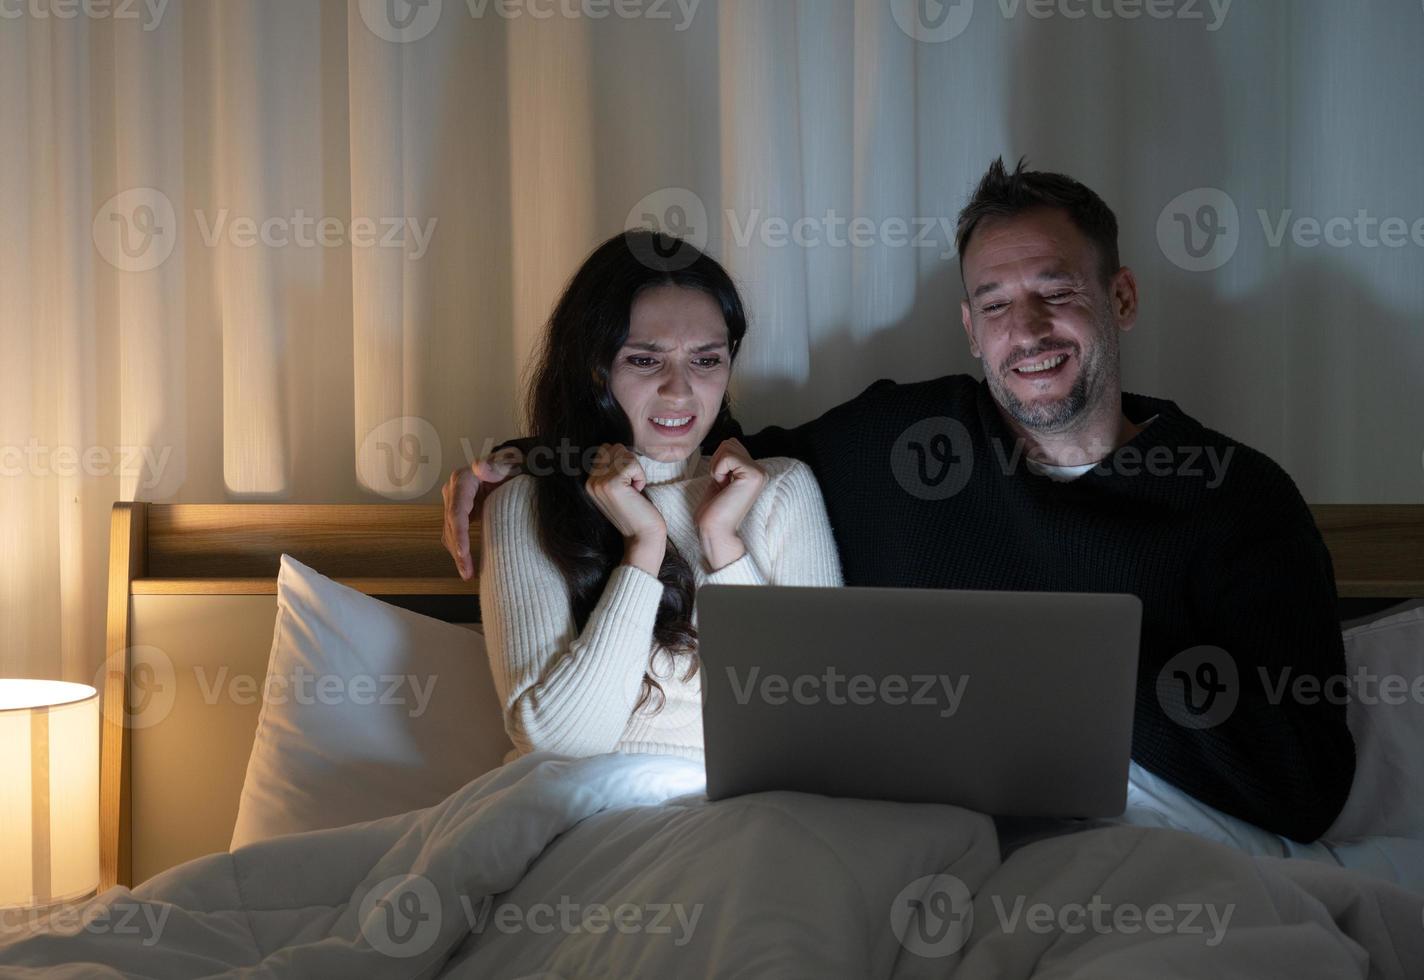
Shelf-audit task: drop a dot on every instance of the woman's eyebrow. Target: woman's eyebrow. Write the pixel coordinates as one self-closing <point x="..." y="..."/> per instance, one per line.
<point x="655" y="348"/>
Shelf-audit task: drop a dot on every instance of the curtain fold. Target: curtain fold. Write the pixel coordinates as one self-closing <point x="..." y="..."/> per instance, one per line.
<point x="302" y="251"/>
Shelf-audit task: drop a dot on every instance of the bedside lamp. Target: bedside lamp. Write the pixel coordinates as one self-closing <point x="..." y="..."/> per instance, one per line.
<point x="49" y="793"/>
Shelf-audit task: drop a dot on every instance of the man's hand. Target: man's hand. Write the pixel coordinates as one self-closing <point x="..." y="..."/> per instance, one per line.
<point x="469" y="487"/>
<point x="616" y="488"/>
<point x="737" y="481"/>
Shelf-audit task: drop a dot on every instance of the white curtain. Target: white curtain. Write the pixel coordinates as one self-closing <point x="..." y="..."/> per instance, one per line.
<point x="299" y="250"/>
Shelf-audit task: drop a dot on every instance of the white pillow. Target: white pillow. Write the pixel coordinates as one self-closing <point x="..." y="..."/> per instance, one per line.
<point x="1386" y="716"/>
<point x="369" y="710"/>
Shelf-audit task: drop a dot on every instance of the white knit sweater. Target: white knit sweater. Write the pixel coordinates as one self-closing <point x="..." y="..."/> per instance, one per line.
<point x="575" y="693"/>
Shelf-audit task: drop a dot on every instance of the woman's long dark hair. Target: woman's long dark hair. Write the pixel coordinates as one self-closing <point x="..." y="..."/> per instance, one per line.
<point x="571" y="410"/>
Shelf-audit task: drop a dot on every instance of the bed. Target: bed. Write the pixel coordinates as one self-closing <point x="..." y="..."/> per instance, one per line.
<point x="200" y="581"/>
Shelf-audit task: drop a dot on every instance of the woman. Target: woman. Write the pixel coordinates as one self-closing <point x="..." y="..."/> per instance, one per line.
<point x="592" y="559"/>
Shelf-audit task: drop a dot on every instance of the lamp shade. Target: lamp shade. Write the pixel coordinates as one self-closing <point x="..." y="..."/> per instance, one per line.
<point x="49" y="792"/>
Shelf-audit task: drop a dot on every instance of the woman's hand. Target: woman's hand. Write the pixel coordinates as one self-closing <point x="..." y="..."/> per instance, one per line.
<point x="616" y="488"/>
<point x="737" y="481"/>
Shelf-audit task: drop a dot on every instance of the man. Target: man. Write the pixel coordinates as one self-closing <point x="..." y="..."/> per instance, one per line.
<point x="1045" y="476"/>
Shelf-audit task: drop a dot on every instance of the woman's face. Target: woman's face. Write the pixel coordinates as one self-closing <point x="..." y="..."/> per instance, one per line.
<point x="672" y="372"/>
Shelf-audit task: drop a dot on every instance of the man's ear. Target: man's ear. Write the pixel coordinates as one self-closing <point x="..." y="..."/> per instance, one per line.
<point x="1122" y="296"/>
<point x="968" y="326"/>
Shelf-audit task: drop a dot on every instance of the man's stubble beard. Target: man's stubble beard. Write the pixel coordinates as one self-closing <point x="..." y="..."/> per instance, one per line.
<point x="1061" y="414"/>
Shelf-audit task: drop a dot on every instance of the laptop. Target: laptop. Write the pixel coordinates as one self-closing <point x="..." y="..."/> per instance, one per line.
<point x="1008" y="703"/>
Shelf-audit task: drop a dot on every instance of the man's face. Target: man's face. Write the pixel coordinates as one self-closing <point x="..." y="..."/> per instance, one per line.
<point x="1042" y="319"/>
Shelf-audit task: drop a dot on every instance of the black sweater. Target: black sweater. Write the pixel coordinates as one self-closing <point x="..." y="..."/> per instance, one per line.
<point x="926" y="487"/>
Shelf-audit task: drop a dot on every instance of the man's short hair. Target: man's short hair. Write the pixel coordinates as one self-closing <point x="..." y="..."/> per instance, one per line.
<point x="1001" y="194"/>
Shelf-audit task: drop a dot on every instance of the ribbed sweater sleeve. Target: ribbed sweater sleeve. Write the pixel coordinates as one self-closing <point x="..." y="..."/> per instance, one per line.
<point x="819" y="442"/>
<point x="799" y="534"/>
<point x="798" y="544"/>
<point x="1263" y="591"/>
<point x="561" y="692"/>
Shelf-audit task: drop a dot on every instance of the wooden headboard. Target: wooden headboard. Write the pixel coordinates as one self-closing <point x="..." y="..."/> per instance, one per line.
<point x="236" y="549"/>
<point x="394" y="550"/>
<point x="1377" y="549"/>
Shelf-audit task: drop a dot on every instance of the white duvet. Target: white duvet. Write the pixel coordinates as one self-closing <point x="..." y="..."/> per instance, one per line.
<point x="615" y="866"/>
